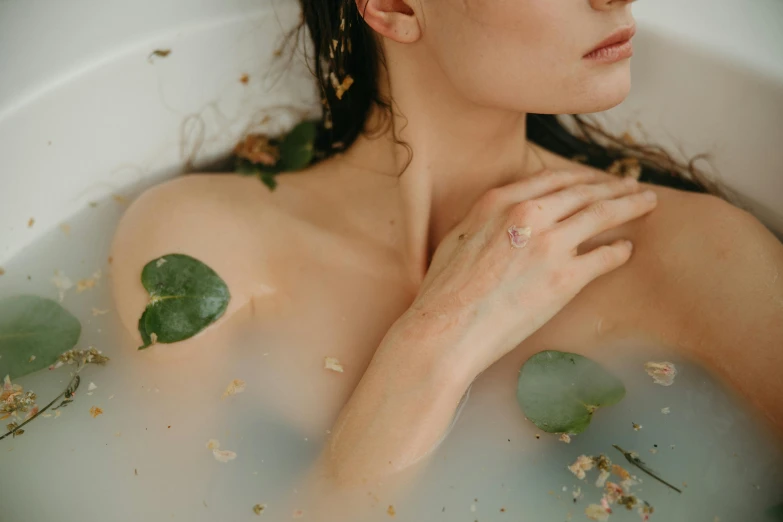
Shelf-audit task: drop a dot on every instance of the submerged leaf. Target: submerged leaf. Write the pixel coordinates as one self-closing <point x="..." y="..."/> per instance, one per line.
<point x="560" y="391"/>
<point x="186" y="296"/>
<point x="34" y="331"/>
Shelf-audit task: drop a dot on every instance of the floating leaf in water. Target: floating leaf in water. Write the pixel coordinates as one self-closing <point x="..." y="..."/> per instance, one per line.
<point x="560" y="391"/>
<point x="186" y="296"/>
<point x="34" y="331"/>
<point x="296" y="151"/>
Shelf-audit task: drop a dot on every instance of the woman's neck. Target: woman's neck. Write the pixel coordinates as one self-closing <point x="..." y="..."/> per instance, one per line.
<point x="452" y="152"/>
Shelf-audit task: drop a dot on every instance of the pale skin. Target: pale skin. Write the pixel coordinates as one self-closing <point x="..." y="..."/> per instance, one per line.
<point x="423" y="313"/>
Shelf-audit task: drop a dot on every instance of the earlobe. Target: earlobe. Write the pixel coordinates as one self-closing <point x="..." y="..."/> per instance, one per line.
<point x="393" y="19"/>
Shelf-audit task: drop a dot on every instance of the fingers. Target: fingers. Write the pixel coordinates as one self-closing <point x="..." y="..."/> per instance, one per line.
<point x="604" y="215"/>
<point x="604" y="259"/>
<point x="567" y="202"/>
<point x="543" y="184"/>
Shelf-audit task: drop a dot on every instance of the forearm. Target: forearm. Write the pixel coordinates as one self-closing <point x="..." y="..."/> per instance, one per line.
<point x="400" y="410"/>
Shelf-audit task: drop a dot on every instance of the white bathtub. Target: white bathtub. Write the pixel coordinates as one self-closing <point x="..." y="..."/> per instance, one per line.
<point x="84" y="113"/>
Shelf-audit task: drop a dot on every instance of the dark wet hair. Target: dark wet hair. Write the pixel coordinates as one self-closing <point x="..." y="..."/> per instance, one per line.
<point x="345" y="50"/>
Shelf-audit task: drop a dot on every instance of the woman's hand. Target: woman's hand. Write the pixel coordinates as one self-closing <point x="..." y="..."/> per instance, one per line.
<point x="483" y="295"/>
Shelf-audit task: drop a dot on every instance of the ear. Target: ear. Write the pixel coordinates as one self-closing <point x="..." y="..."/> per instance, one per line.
<point x="394" y="19"/>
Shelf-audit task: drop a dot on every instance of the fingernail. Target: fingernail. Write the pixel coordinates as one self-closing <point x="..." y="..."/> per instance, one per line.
<point x="650" y="195"/>
<point x="629" y="245"/>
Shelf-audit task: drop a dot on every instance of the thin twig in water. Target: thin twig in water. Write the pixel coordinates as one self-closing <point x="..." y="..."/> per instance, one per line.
<point x="68" y="393"/>
<point x="636" y="461"/>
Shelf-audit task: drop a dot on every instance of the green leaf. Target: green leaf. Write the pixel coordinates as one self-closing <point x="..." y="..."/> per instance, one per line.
<point x="296" y="151"/>
<point x="34" y="326"/>
<point x="186" y="296"/>
<point x="560" y="391"/>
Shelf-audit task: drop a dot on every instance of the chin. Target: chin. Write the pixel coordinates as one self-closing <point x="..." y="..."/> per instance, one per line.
<point x="606" y="88"/>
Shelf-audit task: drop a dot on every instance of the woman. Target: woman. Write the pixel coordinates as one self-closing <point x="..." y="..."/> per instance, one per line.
<point x="445" y="245"/>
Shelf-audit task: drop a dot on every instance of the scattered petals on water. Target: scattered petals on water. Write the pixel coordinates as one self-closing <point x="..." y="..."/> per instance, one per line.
<point x="234" y="387"/>
<point x="596" y="512"/>
<point x="602" y="477"/>
<point x="613" y="492"/>
<point x="92" y="387"/>
<point x="391" y="511"/>
<point x="666" y="410"/>
<point x="95" y="411"/>
<point x="565" y="437"/>
<point x="663" y="373"/>
<point x="636" y="427"/>
<point x="224" y="455"/>
<point x="62" y="282"/>
<point x="220" y="455"/>
<point x="620" y="472"/>
<point x="259" y="508"/>
<point x="583" y="463"/>
<point x="332" y="363"/>
<point x="96" y="312"/>
<point x="88" y="283"/>
<point x="298" y="513"/>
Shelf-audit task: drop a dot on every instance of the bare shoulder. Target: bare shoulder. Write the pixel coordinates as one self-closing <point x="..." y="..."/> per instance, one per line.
<point x="234" y="224"/>
<point x="702" y="271"/>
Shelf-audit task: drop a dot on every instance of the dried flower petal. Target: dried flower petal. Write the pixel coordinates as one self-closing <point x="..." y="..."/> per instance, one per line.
<point x="95" y="411"/>
<point x="596" y="512"/>
<point x="92" y="387"/>
<point x="213" y="444"/>
<point x="259" y="508"/>
<point x="602" y="477"/>
<point x="223" y="455"/>
<point x="565" y="437"/>
<point x="391" y="511"/>
<point x="666" y="410"/>
<point x="256" y="148"/>
<point x="340" y="87"/>
<point x="620" y="472"/>
<point x="583" y="463"/>
<point x="663" y="373"/>
<point x="234" y="387"/>
<point x="626" y="168"/>
<point x="62" y="283"/>
<point x="332" y="363"/>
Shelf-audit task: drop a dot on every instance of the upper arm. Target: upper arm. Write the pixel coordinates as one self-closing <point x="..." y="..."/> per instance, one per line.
<point x="726" y="282"/>
<point x="211" y="218"/>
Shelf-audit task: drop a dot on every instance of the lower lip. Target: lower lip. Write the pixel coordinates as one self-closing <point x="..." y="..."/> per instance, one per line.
<point x="611" y="53"/>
